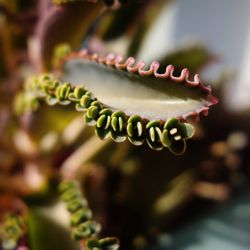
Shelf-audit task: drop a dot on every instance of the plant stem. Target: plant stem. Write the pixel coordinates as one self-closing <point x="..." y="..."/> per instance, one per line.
<point x="82" y="155"/>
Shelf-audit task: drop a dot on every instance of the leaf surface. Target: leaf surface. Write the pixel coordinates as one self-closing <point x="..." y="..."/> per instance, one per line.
<point x="136" y="91"/>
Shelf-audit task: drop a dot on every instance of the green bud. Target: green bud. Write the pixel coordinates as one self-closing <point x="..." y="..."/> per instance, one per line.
<point x="81" y="215"/>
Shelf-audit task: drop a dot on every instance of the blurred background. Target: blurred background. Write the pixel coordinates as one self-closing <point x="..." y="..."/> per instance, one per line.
<point x="148" y="199"/>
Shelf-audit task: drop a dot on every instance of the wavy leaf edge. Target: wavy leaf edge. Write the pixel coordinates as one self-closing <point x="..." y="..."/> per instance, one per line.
<point x="131" y="66"/>
<point x="108" y="124"/>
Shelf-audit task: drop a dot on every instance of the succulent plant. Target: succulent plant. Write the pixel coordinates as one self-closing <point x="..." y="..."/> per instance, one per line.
<point x="83" y="227"/>
<point x="126" y="100"/>
<point x="57" y="52"/>
<point x="13" y="229"/>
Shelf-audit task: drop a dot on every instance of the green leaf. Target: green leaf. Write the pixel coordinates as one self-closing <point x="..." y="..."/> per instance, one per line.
<point x="86" y="230"/>
<point x="187" y="130"/>
<point x="46" y="234"/>
<point x="166" y="140"/>
<point x="85" y="101"/>
<point x="171" y="123"/>
<point x="93" y="112"/>
<point x="154" y="135"/>
<point x="76" y="204"/>
<point x="109" y="243"/>
<point x="68" y="185"/>
<point x="93" y="244"/>
<point x="81" y="215"/>
<point x="118" y="126"/>
<point x="135" y="130"/>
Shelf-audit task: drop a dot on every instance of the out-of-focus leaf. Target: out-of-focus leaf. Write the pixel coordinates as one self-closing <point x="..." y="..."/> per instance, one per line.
<point x="122" y="20"/>
<point x="55" y="119"/>
<point x="137" y="39"/>
<point x="63" y="24"/>
<point x="138" y="31"/>
<point x="45" y="234"/>
<point x="194" y="58"/>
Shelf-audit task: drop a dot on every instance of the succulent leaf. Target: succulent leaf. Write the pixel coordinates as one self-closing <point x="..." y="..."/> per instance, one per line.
<point x="81" y="215"/>
<point x="154" y="135"/>
<point x="13" y="229"/>
<point x="166" y="139"/>
<point x="83" y="228"/>
<point x="103" y="124"/>
<point x="187" y="130"/>
<point x="86" y="229"/>
<point x="118" y="126"/>
<point x="132" y="102"/>
<point x="175" y="134"/>
<point x="76" y="204"/>
<point x="135" y="130"/>
<point x="125" y="85"/>
<point x="109" y="243"/>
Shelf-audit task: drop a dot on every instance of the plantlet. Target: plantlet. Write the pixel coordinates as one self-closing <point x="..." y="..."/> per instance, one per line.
<point x="83" y="227"/>
<point x="77" y="144"/>
<point x="13" y="230"/>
